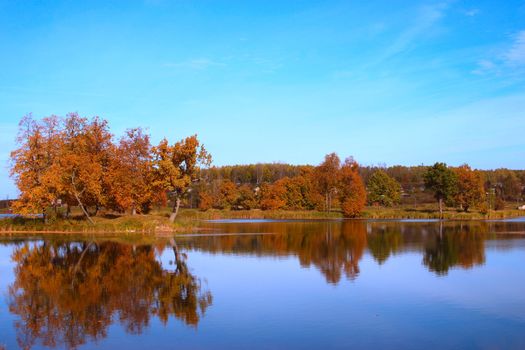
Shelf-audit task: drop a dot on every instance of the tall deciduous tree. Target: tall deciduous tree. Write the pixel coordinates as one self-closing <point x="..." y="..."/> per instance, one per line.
<point x="470" y="191"/>
<point x="131" y="172"/>
<point x="32" y="165"/>
<point x="84" y="161"/>
<point x="326" y="175"/>
<point x="352" y="188"/>
<point x="383" y="189"/>
<point x="177" y="166"/>
<point x="442" y="181"/>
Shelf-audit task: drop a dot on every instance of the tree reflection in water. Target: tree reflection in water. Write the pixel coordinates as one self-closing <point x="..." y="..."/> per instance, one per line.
<point x="66" y="293"/>
<point x="336" y="247"/>
<point x="462" y="246"/>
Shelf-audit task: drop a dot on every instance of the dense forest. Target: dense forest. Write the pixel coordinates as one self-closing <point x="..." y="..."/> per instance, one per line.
<point x="77" y="162"/>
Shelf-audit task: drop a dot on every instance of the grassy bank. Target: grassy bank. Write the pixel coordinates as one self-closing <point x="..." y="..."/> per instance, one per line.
<point x="430" y="213"/>
<point x="401" y="212"/>
<point x="143" y="224"/>
<point x="215" y="214"/>
<point x="190" y="220"/>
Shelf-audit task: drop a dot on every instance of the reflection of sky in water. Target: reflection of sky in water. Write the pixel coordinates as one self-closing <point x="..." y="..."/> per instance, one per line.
<point x="272" y="302"/>
<point x="273" y="299"/>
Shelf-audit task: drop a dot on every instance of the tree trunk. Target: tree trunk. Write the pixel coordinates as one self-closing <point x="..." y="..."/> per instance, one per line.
<point x="175" y="209"/>
<point x="84" y="209"/>
<point x="133" y="211"/>
<point x="77" y="265"/>
<point x="441" y="208"/>
<point x="178" y="260"/>
<point x="78" y="199"/>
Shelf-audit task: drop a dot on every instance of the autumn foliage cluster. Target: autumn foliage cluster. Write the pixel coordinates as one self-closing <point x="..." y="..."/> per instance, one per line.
<point x="74" y="161"/>
<point x="77" y="162"/>
<point x="332" y="184"/>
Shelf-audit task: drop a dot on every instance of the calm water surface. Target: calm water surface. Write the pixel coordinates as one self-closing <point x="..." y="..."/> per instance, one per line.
<point x="271" y="285"/>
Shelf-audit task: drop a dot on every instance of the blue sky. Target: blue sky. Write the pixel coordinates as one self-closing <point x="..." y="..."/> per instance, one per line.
<point x="394" y="82"/>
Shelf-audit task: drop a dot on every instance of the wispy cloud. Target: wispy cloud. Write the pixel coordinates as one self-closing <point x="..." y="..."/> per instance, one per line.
<point x="509" y="59"/>
<point x="425" y="19"/>
<point x="194" y="64"/>
<point x="516" y="54"/>
<point x="472" y="12"/>
<point x="484" y="66"/>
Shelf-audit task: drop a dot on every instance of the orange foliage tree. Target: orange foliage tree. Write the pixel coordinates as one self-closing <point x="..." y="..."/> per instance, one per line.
<point x="61" y="159"/>
<point x="177" y="166"/>
<point x="352" y="188"/>
<point x="470" y="188"/>
<point x="84" y="161"/>
<point x="273" y="196"/>
<point x="131" y="173"/>
<point x="326" y="175"/>
<point x="227" y="195"/>
<point x="31" y="165"/>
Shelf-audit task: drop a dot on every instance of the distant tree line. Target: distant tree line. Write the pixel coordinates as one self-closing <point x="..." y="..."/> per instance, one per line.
<point x="76" y="161"/>
<point x="285" y="186"/>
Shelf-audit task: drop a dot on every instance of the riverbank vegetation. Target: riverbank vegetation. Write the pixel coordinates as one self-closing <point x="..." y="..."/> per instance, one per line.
<point x="77" y="176"/>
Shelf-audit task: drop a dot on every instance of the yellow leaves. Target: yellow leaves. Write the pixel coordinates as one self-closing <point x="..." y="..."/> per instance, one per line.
<point x="177" y="166"/>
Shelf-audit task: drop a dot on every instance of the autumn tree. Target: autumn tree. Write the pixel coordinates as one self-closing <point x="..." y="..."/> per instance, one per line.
<point x="177" y="166"/>
<point x="352" y="188"/>
<point x="131" y="172"/>
<point x="247" y="198"/>
<point x="442" y="181"/>
<point x="383" y="189"/>
<point x="470" y="190"/>
<point x="84" y="161"/>
<point x="227" y="195"/>
<point x="273" y="196"/>
<point x="326" y="175"/>
<point x="205" y="200"/>
<point x="31" y="165"/>
<point x="61" y="159"/>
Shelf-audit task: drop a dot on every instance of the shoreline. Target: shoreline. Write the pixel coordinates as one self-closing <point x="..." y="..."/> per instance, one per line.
<point x="191" y="220"/>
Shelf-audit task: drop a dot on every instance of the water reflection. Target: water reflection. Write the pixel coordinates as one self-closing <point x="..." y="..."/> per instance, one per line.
<point x="67" y="293"/>
<point x="336" y="248"/>
<point x="463" y="247"/>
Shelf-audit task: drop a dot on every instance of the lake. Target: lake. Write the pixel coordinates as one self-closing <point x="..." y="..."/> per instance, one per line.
<point x="271" y="285"/>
